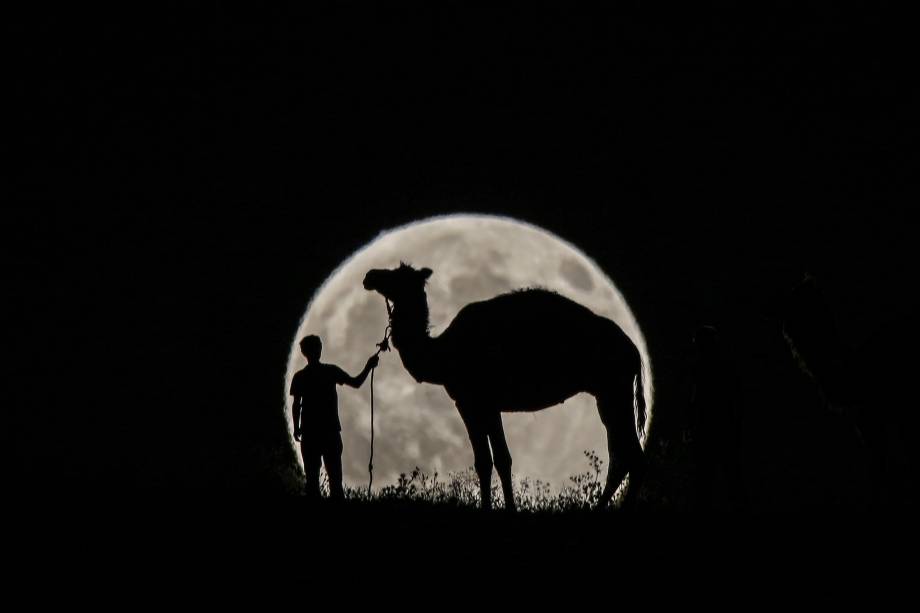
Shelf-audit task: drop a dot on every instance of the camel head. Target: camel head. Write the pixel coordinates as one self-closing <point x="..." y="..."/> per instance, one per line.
<point x="397" y="284"/>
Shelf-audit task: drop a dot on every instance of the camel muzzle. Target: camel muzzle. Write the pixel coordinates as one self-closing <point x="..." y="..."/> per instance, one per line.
<point x="370" y="281"/>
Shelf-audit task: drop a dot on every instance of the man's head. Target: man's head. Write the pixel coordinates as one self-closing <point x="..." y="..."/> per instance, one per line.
<point x="311" y="347"/>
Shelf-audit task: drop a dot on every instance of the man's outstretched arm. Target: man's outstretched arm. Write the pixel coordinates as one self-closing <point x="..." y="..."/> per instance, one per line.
<point x="359" y="380"/>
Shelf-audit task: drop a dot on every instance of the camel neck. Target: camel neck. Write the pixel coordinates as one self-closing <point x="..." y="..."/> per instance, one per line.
<point x="411" y="338"/>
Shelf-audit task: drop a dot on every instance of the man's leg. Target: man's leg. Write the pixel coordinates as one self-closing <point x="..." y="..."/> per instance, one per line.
<point x="312" y="460"/>
<point x="332" y="458"/>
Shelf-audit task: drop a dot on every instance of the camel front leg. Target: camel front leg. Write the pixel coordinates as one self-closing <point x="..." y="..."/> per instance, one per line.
<point x="482" y="459"/>
<point x="502" y="457"/>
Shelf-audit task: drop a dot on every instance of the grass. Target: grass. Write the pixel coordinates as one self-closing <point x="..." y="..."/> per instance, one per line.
<point x="442" y="515"/>
<point x="460" y="490"/>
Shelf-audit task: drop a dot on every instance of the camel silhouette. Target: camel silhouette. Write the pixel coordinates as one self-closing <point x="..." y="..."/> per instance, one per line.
<point x="521" y="352"/>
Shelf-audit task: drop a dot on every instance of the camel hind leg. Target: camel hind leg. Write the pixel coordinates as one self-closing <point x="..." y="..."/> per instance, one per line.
<point x="623" y="447"/>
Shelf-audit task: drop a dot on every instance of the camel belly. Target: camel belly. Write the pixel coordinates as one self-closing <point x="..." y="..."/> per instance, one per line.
<point x="517" y="390"/>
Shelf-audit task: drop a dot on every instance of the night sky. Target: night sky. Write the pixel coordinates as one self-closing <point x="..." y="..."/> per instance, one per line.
<point x="183" y="185"/>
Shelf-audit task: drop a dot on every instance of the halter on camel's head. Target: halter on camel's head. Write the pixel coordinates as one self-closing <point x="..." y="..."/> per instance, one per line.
<point x="395" y="285"/>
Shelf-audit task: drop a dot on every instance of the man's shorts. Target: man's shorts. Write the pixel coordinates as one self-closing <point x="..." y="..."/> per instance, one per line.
<point x="327" y="444"/>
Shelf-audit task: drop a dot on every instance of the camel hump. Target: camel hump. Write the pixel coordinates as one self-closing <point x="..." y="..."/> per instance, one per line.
<point x="530" y="304"/>
<point x="534" y="318"/>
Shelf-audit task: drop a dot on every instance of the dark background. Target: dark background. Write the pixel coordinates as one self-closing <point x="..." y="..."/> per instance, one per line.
<point x="183" y="184"/>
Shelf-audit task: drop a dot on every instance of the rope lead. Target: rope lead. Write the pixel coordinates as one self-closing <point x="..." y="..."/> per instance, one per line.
<point x="383" y="345"/>
<point x="370" y="464"/>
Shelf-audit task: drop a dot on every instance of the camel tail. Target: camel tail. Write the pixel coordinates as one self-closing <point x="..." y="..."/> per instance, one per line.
<point x="639" y="393"/>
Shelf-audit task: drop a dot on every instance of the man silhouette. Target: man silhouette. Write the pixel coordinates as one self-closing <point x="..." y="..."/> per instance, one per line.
<point x="316" y="415"/>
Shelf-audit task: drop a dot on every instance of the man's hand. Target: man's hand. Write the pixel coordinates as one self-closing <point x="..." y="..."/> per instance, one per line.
<point x="372" y="361"/>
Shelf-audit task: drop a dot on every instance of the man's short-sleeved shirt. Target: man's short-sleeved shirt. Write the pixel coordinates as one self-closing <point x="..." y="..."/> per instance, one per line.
<point x="316" y="384"/>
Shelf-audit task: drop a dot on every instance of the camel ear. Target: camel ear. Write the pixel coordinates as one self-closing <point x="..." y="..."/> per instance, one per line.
<point x="425" y="272"/>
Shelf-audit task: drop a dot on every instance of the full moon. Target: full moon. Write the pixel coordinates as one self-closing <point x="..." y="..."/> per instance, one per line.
<point x="474" y="257"/>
